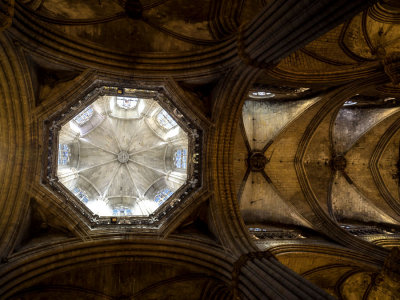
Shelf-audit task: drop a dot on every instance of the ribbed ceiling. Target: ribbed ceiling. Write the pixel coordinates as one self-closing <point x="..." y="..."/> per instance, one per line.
<point x="122" y="156"/>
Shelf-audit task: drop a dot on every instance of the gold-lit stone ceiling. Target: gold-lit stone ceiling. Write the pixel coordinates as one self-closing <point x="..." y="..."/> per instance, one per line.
<point x="340" y="168"/>
<point x="304" y="180"/>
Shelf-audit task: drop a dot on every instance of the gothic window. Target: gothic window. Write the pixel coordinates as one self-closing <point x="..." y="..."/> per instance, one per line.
<point x="127" y="103"/>
<point x="163" y="195"/>
<point x="348" y="103"/>
<point x="122" y="211"/>
<point x="165" y="120"/>
<point x="64" y="154"/>
<point x="261" y="94"/>
<point x="84" y="116"/>
<point x="180" y="158"/>
<point x="80" y="194"/>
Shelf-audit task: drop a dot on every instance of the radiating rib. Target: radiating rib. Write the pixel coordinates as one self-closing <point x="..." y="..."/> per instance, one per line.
<point x="97" y="146"/>
<point x="111" y="181"/>
<point x="150" y="148"/>
<point x="133" y="181"/>
<point x="244" y="135"/>
<point x="266" y="177"/>
<point x="143" y="165"/>
<point x="114" y="135"/>
<point x="97" y="165"/>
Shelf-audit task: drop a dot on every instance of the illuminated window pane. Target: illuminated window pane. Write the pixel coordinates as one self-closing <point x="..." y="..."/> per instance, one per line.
<point x="127" y="103"/>
<point x="261" y="94"/>
<point x="84" y="116"/>
<point x="348" y="103"/>
<point x="165" y="120"/>
<point x="122" y="211"/>
<point x="80" y="194"/>
<point x="64" y="154"/>
<point x="181" y="158"/>
<point x="163" y="195"/>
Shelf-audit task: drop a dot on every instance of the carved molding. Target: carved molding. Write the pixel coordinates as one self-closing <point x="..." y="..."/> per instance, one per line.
<point x="156" y="219"/>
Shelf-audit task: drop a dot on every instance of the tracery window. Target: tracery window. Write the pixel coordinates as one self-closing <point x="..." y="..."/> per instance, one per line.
<point x="127" y="103"/>
<point x="122" y="211"/>
<point x="64" y="154"/>
<point x="84" y="116"/>
<point x="165" y="120"/>
<point x="80" y="194"/>
<point x="163" y="195"/>
<point x="180" y="158"/>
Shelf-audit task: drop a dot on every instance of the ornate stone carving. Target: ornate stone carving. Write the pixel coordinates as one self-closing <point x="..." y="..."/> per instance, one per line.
<point x="257" y="161"/>
<point x="133" y="9"/>
<point x="338" y="163"/>
<point x="101" y="88"/>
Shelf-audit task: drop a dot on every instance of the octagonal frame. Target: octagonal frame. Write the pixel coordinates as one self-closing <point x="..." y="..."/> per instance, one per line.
<point x="109" y="88"/>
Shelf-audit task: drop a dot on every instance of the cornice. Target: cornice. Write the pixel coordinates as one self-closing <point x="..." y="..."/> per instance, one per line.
<point x="343" y="74"/>
<point x="362" y="260"/>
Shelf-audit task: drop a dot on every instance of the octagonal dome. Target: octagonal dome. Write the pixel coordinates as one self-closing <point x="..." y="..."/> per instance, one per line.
<point x="123" y="154"/>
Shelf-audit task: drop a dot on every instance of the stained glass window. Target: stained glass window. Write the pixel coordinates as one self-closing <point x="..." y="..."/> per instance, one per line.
<point x="122" y="211"/>
<point x="127" y="103"/>
<point x="80" y="194"/>
<point x="165" y="120"/>
<point x="64" y="154"/>
<point x="163" y="195"/>
<point x="84" y="116"/>
<point x="181" y="158"/>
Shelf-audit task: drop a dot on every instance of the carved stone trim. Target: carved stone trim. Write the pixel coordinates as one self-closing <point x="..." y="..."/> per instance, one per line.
<point x="257" y="161"/>
<point x="338" y="163"/>
<point x="100" y="88"/>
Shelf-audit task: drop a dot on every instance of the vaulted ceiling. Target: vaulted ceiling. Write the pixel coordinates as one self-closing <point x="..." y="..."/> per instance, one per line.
<point x="119" y="160"/>
<point x="299" y="173"/>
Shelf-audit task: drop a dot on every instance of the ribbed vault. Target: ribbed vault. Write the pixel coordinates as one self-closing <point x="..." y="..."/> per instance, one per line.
<point x="289" y="113"/>
<point x="122" y="156"/>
